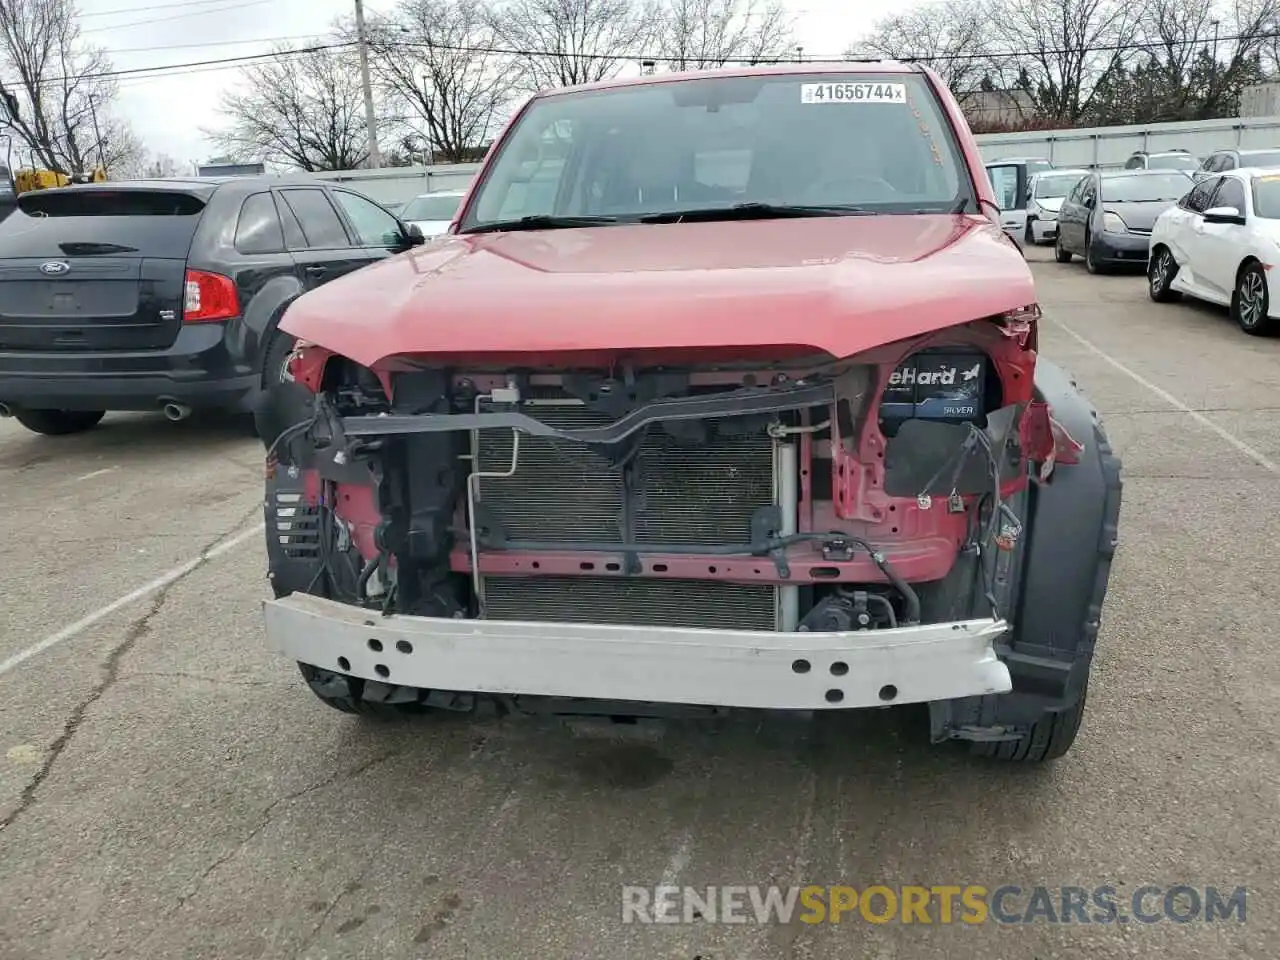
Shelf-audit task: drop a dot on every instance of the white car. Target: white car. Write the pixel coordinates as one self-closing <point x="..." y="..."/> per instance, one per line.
<point x="1044" y="197"/>
<point x="1219" y="243"/>
<point x="432" y="212"/>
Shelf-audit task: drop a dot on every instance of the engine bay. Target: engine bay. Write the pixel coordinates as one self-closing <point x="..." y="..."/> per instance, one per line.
<point x="882" y="490"/>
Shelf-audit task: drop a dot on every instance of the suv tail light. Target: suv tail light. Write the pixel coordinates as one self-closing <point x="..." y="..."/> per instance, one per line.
<point x="209" y="296"/>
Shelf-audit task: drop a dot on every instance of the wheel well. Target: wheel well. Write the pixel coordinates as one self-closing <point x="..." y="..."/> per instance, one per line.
<point x="1244" y="265"/>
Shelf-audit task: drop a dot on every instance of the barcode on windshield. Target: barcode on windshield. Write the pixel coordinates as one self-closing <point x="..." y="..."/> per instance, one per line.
<point x="853" y="93"/>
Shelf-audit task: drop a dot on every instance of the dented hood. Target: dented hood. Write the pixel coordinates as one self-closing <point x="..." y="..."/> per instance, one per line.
<point x="841" y="285"/>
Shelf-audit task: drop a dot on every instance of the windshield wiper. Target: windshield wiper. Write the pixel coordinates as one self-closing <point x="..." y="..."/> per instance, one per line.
<point x="541" y="221"/>
<point x="753" y="211"/>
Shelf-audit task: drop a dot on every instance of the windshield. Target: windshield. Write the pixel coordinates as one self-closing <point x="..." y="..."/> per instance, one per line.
<point x="431" y="207"/>
<point x="877" y="143"/>
<point x="1058" y="185"/>
<point x="87" y="222"/>
<point x="1173" y="161"/>
<point x="1145" y="188"/>
<point x="1266" y="197"/>
<point x="1260" y="158"/>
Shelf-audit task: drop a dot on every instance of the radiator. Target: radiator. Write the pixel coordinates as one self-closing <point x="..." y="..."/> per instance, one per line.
<point x="627" y="601"/>
<point x="685" y="495"/>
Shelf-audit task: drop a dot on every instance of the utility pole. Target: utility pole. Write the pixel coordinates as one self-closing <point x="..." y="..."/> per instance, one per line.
<point x="93" y="112"/>
<point x="371" y="123"/>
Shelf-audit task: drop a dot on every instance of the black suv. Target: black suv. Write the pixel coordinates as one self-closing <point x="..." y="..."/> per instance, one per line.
<point x="165" y="294"/>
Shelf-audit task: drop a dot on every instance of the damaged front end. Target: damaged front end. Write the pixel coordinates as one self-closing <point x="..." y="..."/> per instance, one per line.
<point x="820" y="533"/>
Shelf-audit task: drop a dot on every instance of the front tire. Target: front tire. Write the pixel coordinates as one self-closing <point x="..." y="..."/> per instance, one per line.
<point x="1090" y="264"/>
<point x="276" y="356"/>
<point x="346" y="695"/>
<point x="1251" y="301"/>
<point x="1061" y="253"/>
<point x="1160" y="274"/>
<point x="1049" y="738"/>
<point x="58" y="423"/>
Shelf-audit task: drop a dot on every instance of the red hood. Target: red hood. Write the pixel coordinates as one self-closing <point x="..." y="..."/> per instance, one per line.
<point x="841" y="285"/>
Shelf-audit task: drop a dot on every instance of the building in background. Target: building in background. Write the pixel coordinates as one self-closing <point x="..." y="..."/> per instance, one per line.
<point x="222" y="168"/>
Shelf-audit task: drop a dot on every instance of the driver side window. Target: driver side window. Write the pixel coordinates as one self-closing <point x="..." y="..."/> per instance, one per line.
<point x="374" y="226"/>
<point x="1230" y="194"/>
<point x="1198" y="199"/>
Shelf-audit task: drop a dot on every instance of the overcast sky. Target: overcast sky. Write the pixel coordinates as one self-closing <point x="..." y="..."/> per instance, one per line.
<point x="168" y="111"/>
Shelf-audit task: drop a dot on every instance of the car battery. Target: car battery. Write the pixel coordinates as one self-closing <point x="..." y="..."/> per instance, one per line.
<point x="936" y="386"/>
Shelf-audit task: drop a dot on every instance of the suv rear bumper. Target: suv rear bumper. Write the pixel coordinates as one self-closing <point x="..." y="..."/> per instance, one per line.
<point x="200" y="369"/>
<point x="730" y="668"/>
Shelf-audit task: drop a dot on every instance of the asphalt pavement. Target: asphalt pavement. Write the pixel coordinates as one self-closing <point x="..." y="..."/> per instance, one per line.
<point x="170" y="789"/>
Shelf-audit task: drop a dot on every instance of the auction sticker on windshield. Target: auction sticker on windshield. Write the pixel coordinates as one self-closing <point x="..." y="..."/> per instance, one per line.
<point x="853" y="93"/>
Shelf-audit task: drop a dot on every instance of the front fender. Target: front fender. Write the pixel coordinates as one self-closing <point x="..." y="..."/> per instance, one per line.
<point x="1072" y="532"/>
<point x="1072" y="523"/>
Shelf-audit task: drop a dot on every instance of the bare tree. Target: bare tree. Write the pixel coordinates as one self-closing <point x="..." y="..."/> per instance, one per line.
<point x="949" y="37"/>
<point x="698" y="34"/>
<point x="1191" y="74"/>
<point x="58" y="105"/>
<point x="301" y="108"/>
<point x="1056" y="52"/>
<point x="435" y="60"/>
<point x="563" y="42"/>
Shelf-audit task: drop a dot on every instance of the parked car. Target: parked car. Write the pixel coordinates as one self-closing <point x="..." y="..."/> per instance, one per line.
<point x="1046" y="193"/>
<point x="1163" y="160"/>
<point x="165" y="294"/>
<point x="1107" y="217"/>
<point x="1010" y="177"/>
<point x="1221" y="161"/>
<point x="8" y="192"/>
<point x="1218" y="244"/>
<point x="433" y="212"/>
<point x="653" y="436"/>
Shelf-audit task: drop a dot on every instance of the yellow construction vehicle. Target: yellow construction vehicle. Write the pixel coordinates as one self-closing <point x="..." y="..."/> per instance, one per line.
<point x="25" y="181"/>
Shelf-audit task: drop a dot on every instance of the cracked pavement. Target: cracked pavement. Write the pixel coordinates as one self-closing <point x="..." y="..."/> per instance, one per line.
<point x="170" y="789"/>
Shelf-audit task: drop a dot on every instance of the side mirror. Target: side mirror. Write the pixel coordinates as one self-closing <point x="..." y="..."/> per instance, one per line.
<point x="414" y="234"/>
<point x="1224" y="215"/>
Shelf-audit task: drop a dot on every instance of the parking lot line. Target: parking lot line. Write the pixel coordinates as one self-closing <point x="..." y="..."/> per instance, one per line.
<point x="159" y="583"/>
<point x="1258" y="458"/>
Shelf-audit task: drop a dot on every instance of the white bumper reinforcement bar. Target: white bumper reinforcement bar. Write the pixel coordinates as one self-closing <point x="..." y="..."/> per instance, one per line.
<point x="731" y="668"/>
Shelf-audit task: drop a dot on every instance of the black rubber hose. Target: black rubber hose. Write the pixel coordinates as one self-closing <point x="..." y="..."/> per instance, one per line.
<point x="888" y="608"/>
<point x="909" y="596"/>
<point x="365" y="574"/>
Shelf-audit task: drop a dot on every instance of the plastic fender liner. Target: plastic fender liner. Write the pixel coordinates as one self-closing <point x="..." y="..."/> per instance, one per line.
<point x="1072" y="533"/>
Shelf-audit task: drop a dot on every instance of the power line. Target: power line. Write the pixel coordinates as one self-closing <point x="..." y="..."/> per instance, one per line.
<point x="218" y="43"/>
<point x="176" y="16"/>
<point x="152" y="9"/>
<point x="177" y="69"/>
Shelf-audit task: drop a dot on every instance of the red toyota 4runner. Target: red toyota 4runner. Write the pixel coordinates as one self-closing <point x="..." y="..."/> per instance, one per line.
<point x="722" y="393"/>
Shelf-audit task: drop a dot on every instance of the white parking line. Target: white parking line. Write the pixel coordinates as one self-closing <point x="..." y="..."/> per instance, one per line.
<point x="1170" y="399"/>
<point x="159" y="583"/>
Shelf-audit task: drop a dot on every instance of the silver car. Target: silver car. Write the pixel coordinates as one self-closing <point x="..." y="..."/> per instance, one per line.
<point x="432" y="212"/>
<point x="1044" y="196"/>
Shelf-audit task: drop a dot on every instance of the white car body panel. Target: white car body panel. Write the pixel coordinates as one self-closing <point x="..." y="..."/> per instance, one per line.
<point x="1209" y="255"/>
